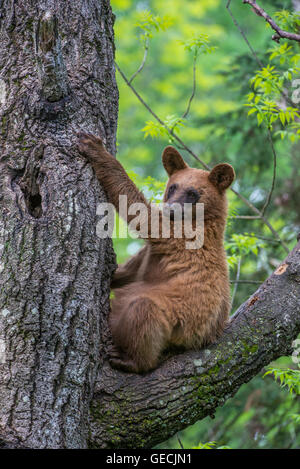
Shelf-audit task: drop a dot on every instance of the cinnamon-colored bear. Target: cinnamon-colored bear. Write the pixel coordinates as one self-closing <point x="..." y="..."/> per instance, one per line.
<point x="167" y="295"/>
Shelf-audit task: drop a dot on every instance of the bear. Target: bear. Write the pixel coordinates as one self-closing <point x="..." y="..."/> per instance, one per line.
<point x="166" y="295"/>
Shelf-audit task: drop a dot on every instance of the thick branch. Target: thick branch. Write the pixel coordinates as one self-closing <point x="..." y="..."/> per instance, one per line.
<point x="140" y="411"/>
<point x="280" y="33"/>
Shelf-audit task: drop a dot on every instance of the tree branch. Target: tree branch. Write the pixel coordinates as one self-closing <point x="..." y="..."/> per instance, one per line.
<point x="237" y="280"/>
<point x="130" y="411"/>
<point x="269" y="197"/>
<point x="280" y="33"/>
<point x="240" y="29"/>
<point x="143" y="61"/>
<point x="186" y="112"/>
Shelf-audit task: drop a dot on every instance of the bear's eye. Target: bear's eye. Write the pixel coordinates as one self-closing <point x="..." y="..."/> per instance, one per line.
<point x="192" y="195"/>
<point x="172" y="189"/>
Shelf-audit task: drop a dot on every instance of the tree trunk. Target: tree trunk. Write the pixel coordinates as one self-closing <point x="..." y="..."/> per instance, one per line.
<point x="56" y="76"/>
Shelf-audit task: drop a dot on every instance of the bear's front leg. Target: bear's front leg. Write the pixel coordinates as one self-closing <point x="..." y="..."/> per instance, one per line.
<point x="110" y="172"/>
<point x="92" y="147"/>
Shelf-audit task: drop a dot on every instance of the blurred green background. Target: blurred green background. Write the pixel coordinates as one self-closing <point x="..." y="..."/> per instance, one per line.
<point x="217" y="128"/>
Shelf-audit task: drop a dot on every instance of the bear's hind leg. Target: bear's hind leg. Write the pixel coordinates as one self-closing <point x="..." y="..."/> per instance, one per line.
<point x="140" y="332"/>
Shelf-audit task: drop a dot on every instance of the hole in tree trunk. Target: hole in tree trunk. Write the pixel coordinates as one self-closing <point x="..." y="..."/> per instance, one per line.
<point x="34" y="204"/>
<point x="30" y="186"/>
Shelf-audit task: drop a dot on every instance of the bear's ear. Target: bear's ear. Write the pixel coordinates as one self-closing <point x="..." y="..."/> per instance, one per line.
<point x="222" y="176"/>
<point x="172" y="160"/>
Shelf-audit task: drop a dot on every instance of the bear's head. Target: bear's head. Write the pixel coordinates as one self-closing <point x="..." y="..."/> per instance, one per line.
<point x="191" y="186"/>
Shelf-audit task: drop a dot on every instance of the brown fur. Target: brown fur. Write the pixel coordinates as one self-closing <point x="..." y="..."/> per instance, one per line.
<point x="167" y="295"/>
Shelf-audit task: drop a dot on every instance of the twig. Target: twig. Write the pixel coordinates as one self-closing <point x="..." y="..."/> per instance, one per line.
<point x="280" y="33"/>
<point x="254" y="282"/>
<point x="248" y="203"/>
<point x="142" y="63"/>
<point x="243" y="35"/>
<point x="185" y="114"/>
<point x="193" y="90"/>
<point x="264" y="238"/>
<point x="179" y="441"/>
<point x="246" y="217"/>
<point x="274" y="232"/>
<point x="274" y="174"/>
<point x="236" y="280"/>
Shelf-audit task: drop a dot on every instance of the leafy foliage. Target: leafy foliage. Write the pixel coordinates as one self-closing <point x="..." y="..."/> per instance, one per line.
<point x="155" y="129"/>
<point x="269" y="100"/>
<point x="287" y="378"/>
<point x="198" y="45"/>
<point x="150" y="23"/>
<point x="210" y="445"/>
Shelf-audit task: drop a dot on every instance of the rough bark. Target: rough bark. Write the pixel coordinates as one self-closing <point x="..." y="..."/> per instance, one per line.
<point x="130" y="411"/>
<point x="56" y="76"/>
